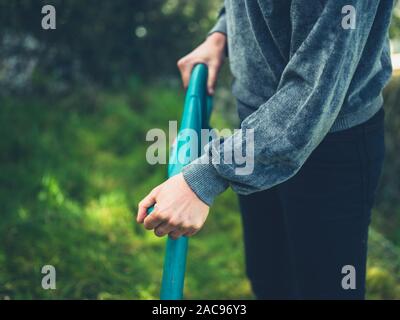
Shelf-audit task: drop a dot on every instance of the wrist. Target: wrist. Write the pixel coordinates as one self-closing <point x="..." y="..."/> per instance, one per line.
<point x="204" y="180"/>
<point x="217" y="38"/>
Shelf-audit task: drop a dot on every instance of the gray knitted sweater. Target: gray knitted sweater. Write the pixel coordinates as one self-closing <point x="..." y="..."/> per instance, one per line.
<point x="302" y="69"/>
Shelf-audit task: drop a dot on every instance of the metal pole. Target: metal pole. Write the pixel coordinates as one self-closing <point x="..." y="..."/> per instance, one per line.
<point x="196" y="115"/>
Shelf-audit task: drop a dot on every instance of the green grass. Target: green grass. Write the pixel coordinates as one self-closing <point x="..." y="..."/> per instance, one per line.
<point x="72" y="172"/>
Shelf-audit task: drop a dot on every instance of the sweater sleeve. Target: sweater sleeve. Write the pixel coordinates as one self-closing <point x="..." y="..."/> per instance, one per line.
<point x="290" y="125"/>
<point x="220" y="26"/>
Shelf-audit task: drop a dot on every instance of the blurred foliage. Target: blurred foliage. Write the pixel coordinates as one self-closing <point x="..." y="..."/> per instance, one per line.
<point x="105" y="41"/>
<point x="395" y="25"/>
<point x="72" y="173"/>
<point x="383" y="276"/>
<point x="388" y="219"/>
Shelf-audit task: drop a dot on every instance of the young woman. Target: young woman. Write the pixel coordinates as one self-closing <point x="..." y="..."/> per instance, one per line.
<point x="308" y="80"/>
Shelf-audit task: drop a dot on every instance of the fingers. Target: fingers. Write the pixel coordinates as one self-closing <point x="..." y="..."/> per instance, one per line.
<point x="145" y="204"/>
<point x="164" y="228"/>
<point x="185" y="68"/>
<point x="212" y="79"/>
<point x="155" y="219"/>
<point x="179" y="232"/>
<point x="172" y="229"/>
<point x="191" y="232"/>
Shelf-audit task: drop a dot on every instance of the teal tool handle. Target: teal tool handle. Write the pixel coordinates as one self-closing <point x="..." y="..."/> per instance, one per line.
<point x="196" y="115"/>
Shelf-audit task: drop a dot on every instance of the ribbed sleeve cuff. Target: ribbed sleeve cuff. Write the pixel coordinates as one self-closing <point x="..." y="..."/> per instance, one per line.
<point x="204" y="180"/>
<point x="220" y="26"/>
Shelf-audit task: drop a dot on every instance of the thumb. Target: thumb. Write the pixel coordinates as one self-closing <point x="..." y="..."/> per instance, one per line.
<point x="144" y="205"/>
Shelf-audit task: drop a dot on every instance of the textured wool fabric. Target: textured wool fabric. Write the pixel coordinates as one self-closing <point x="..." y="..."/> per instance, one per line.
<point x="299" y="74"/>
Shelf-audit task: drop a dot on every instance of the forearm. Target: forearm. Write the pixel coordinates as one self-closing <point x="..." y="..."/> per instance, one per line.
<point x="289" y="126"/>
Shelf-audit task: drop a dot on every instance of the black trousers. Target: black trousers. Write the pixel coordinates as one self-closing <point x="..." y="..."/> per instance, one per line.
<point x="300" y="234"/>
